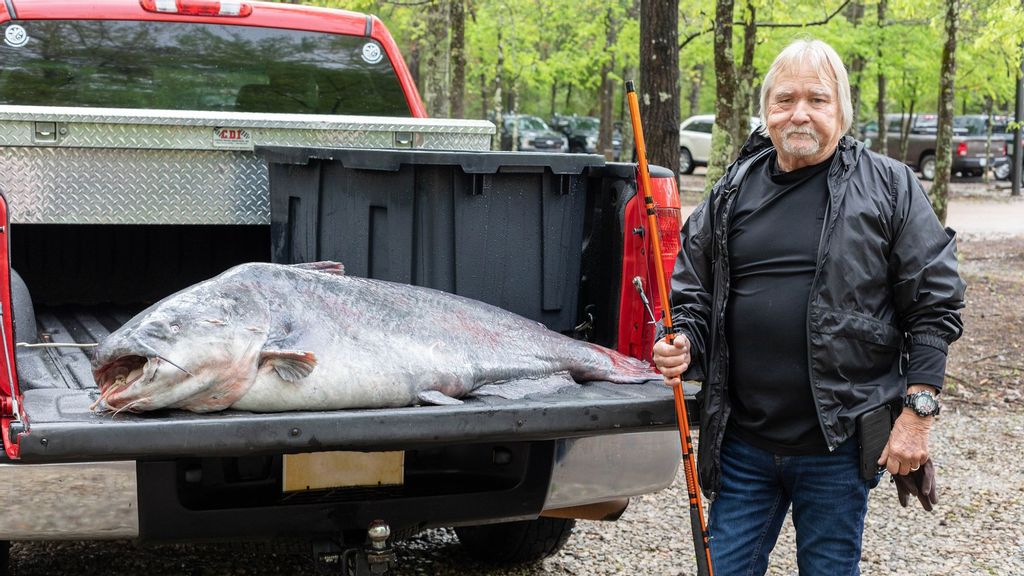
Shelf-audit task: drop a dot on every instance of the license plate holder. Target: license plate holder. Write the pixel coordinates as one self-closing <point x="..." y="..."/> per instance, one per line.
<point x="326" y="470"/>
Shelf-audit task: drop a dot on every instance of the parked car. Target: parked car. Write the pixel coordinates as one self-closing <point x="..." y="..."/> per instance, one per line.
<point x="695" y="140"/>
<point x="530" y="134"/>
<point x="970" y="157"/>
<point x="583" y="131"/>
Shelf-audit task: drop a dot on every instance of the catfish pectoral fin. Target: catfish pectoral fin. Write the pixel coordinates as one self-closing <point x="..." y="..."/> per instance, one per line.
<point x="438" y="398"/>
<point x="290" y="365"/>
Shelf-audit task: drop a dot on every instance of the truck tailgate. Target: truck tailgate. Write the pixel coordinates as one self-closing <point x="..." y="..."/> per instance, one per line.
<point x="58" y="392"/>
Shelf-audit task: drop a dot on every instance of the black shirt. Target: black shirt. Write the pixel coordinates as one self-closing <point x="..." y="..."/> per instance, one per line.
<point x="773" y="245"/>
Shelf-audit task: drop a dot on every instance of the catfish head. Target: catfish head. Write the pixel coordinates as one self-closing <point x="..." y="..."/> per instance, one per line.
<point x="198" y="349"/>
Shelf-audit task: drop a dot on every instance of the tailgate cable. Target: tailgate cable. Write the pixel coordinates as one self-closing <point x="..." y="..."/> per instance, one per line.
<point x="56" y="345"/>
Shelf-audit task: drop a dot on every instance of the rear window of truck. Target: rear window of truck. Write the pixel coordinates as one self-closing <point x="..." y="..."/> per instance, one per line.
<point x="187" y="66"/>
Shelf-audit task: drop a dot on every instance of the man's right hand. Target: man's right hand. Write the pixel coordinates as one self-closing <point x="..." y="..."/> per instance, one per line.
<point x="672" y="359"/>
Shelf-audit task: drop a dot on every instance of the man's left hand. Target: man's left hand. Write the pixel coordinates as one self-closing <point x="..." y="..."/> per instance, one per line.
<point x="907" y="448"/>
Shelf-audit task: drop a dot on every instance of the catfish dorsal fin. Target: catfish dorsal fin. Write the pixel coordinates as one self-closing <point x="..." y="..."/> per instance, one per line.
<point x="325" y="266"/>
<point x="290" y="365"/>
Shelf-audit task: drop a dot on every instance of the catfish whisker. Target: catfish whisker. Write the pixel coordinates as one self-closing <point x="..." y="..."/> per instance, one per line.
<point x="158" y="355"/>
<point x="128" y="406"/>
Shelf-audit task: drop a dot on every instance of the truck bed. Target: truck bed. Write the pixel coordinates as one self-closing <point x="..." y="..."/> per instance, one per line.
<point x="59" y="389"/>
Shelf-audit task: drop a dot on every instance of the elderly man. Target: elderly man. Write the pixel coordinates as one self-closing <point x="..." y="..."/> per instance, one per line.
<point x="815" y="284"/>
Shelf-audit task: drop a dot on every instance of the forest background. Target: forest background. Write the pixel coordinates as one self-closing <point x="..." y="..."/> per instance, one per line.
<point x="487" y="58"/>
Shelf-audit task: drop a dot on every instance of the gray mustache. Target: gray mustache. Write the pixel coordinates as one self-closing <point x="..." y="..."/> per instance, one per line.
<point x="798" y="130"/>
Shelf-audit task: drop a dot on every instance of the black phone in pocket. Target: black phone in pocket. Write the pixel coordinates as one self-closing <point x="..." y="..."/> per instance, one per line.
<point x="873" y="428"/>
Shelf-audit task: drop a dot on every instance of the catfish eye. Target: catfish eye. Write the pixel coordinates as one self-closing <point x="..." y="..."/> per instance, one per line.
<point x="175" y="328"/>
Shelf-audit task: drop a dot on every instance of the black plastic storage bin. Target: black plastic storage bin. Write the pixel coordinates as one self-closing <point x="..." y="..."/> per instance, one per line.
<point x="502" y="228"/>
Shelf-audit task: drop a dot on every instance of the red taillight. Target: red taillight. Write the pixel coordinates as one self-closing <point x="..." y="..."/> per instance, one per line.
<point x="668" y="233"/>
<point x="231" y="8"/>
<point x="961" y="149"/>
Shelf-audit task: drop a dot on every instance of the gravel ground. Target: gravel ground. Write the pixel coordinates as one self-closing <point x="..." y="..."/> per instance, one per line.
<point x="976" y="529"/>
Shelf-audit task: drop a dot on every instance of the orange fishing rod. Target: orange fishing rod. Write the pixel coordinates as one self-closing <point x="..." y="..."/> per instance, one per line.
<point x="697" y="526"/>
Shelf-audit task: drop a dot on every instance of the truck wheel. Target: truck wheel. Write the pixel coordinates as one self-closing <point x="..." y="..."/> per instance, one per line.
<point x="516" y="542"/>
<point x="685" y="161"/>
<point x="1002" y="171"/>
<point x="24" y="314"/>
<point x="928" y="167"/>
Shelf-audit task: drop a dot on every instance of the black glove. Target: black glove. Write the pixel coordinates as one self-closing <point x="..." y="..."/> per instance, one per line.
<point x="920" y="483"/>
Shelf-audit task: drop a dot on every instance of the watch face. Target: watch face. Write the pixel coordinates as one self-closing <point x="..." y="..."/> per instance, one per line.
<point x="925" y="404"/>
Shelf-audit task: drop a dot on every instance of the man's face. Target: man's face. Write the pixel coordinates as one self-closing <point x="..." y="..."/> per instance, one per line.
<point x="803" y="118"/>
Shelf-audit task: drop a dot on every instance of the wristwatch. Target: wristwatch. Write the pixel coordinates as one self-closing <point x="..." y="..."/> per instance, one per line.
<point x="923" y="403"/>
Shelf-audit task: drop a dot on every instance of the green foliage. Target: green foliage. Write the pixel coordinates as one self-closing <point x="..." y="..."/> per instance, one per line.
<point x="557" y="47"/>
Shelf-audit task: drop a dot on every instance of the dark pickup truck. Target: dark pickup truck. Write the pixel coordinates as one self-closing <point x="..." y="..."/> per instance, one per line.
<point x="971" y="151"/>
<point x="145" y="146"/>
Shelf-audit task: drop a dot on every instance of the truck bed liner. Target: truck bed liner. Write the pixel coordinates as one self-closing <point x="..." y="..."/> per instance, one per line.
<point x="58" y="390"/>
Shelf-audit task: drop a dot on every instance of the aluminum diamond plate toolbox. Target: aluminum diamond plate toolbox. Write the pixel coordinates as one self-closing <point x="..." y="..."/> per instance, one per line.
<point x="113" y="166"/>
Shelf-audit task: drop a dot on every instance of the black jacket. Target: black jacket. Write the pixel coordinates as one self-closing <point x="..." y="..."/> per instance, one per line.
<point x="886" y="281"/>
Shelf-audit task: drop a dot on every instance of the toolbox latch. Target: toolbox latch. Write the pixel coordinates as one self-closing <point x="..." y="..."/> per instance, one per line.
<point x="45" y="133"/>
<point x="403" y="139"/>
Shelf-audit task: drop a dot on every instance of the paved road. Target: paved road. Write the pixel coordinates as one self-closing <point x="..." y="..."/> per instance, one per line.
<point x="997" y="217"/>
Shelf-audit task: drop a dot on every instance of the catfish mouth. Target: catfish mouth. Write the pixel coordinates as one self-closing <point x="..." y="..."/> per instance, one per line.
<point x="117" y="376"/>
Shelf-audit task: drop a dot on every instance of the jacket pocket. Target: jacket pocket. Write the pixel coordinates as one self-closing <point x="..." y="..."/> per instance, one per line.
<point x="854" y="325"/>
<point x="852" y="352"/>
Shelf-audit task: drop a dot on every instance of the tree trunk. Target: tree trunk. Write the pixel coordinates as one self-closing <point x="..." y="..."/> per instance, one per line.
<point x="723" y="144"/>
<point x="905" y="121"/>
<point x="696" y="81"/>
<point x="435" y="81"/>
<point x="883" y="127"/>
<point x="939" y="192"/>
<point x="989" y="116"/>
<point x="457" y="96"/>
<point x="554" y="96"/>
<point x="745" y="100"/>
<point x="499" y="69"/>
<point x="855" y="13"/>
<point x="626" y="73"/>
<point x="604" y="135"/>
<point x="659" y="86"/>
<point x="485" y="96"/>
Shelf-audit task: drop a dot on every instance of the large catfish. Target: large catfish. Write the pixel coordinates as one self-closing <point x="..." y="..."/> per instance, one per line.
<point x="270" y="337"/>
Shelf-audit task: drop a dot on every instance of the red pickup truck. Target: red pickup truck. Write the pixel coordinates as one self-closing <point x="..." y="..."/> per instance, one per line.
<point x="146" y="145"/>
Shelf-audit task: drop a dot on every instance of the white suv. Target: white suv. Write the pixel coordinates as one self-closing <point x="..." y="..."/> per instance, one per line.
<point x="695" y="140"/>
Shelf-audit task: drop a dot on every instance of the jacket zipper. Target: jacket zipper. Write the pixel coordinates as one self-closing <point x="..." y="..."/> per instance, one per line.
<point x="721" y="242"/>
<point x="824" y="243"/>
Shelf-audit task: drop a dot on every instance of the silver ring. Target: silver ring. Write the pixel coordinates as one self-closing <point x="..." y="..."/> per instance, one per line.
<point x="915" y="469"/>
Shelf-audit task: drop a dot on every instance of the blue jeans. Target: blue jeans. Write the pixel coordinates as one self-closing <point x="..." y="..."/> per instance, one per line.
<point x="829" y="501"/>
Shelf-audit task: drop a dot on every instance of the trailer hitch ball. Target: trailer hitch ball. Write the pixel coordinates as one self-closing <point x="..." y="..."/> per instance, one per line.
<point x="379" y="556"/>
<point x="378" y="532"/>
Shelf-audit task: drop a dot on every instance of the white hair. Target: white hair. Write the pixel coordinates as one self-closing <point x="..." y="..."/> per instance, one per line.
<point x="822" y="58"/>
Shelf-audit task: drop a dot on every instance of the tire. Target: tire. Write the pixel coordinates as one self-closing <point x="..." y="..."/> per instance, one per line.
<point x="512" y="543"/>
<point x="686" y="165"/>
<point x="1002" y="171"/>
<point x="927" y="166"/>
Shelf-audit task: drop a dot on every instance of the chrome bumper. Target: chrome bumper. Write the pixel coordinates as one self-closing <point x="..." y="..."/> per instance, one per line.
<point x="99" y="500"/>
<point x="602" y="468"/>
<point x="94" y="500"/>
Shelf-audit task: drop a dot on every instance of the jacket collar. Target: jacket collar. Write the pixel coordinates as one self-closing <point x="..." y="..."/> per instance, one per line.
<point x="850" y="151"/>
